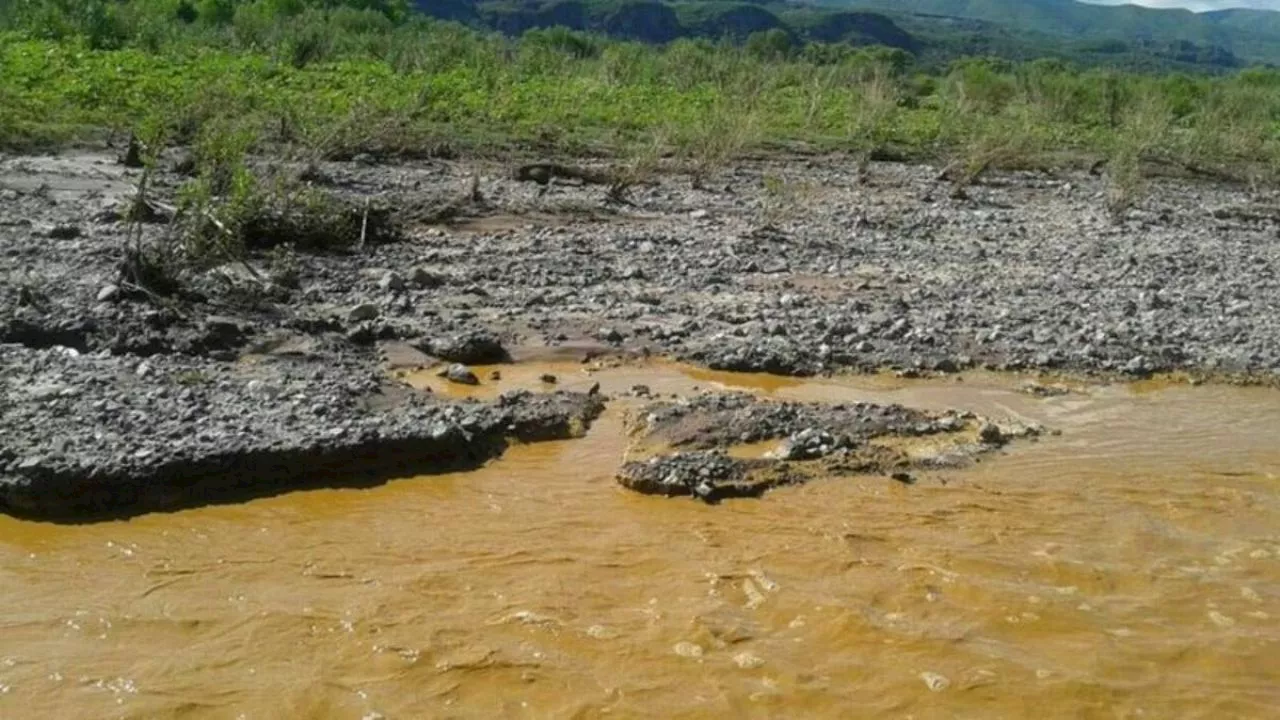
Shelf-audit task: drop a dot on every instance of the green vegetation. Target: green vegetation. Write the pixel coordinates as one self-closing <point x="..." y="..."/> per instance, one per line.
<point x="310" y="81"/>
<point x="313" y="79"/>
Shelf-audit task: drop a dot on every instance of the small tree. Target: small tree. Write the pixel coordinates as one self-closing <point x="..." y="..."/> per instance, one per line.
<point x="773" y="44"/>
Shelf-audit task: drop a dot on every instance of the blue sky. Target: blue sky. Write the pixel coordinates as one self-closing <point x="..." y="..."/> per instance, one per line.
<point x="1197" y="5"/>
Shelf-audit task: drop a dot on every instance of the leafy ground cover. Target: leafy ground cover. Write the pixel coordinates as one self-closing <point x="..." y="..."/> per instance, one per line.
<point x="336" y="81"/>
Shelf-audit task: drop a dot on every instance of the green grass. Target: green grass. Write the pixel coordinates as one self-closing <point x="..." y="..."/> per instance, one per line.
<point x="333" y="83"/>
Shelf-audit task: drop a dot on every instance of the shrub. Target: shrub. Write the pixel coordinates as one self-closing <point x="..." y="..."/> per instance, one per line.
<point x="335" y="77"/>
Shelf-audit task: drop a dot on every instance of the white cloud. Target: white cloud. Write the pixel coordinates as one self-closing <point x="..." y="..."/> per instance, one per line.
<point x="1196" y="5"/>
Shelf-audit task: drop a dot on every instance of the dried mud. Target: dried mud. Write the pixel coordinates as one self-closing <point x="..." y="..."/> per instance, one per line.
<point x="113" y="401"/>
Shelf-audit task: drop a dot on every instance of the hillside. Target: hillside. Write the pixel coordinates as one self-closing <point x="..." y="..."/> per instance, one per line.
<point x="934" y="30"/>
<point x="660" y="22"/>
<point x="1265" y="23"/>
<point x="1252" y="35"/>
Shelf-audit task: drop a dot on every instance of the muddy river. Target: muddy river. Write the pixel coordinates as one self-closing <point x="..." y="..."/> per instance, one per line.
<point x="1128" y="567"/>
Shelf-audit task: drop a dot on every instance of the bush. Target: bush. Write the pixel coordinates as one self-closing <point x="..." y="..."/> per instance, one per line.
<point x="335" y="77"/>
<point x="576" y="45"/>
<point x="770" y="45"/>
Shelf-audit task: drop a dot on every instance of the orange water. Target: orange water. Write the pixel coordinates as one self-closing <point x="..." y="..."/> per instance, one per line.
<point x="1129" y="567"/>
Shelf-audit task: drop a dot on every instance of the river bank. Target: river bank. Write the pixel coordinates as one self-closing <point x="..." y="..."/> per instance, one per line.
<point x="789" y="267"/>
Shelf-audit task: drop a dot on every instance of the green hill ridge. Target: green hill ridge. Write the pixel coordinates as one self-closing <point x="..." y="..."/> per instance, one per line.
<point x="1251" y="35"/>
<point x="934" y="30"/>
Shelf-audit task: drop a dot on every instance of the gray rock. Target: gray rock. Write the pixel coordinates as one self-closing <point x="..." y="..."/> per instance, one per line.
<point x="32" y="462"/>
<point x="391" y="282"/>
<point x="223" y="325"/>
<point x="363" y="334"/>
<point x="461" y="374"/>
<point x="946" y="365"/>
<point x="64" y="231"/>
<point x="476" y="347"/>
<point x="1138" y="365"/>
<point x="991" y="434"/>
<point x="809" y="444"/>
<point x="363" y="312"/>
<point x="109" y="293"/>
<point x="424" y="278"/>
<point x="706" y="476"/>
<point x="46" y="391"/>
<point x="1042" y="390"/>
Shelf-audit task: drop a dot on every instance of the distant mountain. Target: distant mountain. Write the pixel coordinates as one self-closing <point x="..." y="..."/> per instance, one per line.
<point x="934" y="30"/>
<point x="660" y="22"/>
<point x="1252" y="35"/>
<point x="1261" y="22"/>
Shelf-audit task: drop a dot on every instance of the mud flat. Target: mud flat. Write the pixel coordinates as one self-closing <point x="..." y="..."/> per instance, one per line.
<point x="689" y="443"/>
<point x="106" y="436"/>
<point x="264" y="375"/>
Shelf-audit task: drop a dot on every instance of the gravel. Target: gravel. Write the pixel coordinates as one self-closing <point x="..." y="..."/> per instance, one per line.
<point x="696" y="437"/>
<point x="105" y="435"/>
<point x="1029" y="272"/>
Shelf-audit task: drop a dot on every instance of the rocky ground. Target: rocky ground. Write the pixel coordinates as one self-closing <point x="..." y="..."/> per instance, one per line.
<point x="686" y="445"/>
<point x="89" y="436"/>
<point x="785" y="266"/>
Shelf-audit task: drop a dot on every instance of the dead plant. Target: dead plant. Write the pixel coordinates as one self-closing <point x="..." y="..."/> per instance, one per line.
<point x="1146" y="123"/>
<point x="641" y="165"/>
<point x="872" y="119"/>
<point x="719" y="137"/>
<point x="153" y="269"/>
<point x="783" y="200"/>
<point x="1125" y="185"/>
